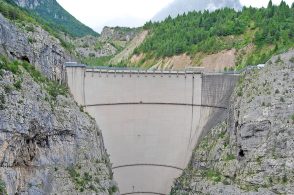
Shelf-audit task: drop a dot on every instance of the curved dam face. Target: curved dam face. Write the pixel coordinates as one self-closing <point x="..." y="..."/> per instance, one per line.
<point x="151" y="121"/>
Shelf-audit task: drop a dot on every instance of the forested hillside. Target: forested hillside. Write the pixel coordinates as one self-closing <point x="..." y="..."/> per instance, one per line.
<point x="269" y="30"/>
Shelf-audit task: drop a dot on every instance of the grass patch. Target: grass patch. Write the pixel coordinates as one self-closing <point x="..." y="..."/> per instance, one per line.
<point x="2" y="187"/>
<point x="10" y="66"/>
<point x="222" y="135"/>
<point x="81" y="182"/>
<point x="8" y="89"/>
<point x="230" y="157"/>
<point x="212" y="175"/>
<point x="93" y="61"/>
<point x="17" y="85"/>
<point x="240" y="93"/>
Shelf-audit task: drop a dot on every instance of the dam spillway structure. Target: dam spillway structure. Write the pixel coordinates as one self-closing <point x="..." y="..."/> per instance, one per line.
<point x="150" y="120"/>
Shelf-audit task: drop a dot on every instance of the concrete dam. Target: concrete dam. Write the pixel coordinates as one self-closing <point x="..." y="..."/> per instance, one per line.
<point x="150" y="120"/>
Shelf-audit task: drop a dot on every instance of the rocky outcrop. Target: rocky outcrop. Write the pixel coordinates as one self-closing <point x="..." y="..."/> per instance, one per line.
<point x="47" y="144"/>
<point x="33" y="44"/>
<point x="111" y="41"/>
<point x="118" y="33"/>
<point x="48" y="54"/>
<point x="126" y="53"/>
<point x="31" y="4"/>
<point x="252" y="151"/>
<point x="90" y="46"/>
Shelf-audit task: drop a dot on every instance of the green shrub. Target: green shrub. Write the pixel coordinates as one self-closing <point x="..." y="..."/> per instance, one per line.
<point x="54" y="89"/>
<point x="230" y="157"/>
<point x="72" y="172"/>
<point x="37" y="76"/>
<point x="17" y="85"/>
<point x="8" y="89"/>
<point x="2" y="187"/>
<point x="212" y="175"/>
<point x="2" y="101"/>
<point x="112" y="189"/>
<point x="87" y="176"/>
<point x="9" y="66"/>
<point x="240" y="93"/>
<point x="30" y="28"/>
<point x="222" y="135"/>
<point x="32" y="40"/>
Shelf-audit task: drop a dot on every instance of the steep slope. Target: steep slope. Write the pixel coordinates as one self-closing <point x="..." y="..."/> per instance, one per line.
<point x="130" y="48"/>
<point x="55" y="16"/>
<point x="179" y="7"/>
<point x="114" y="42"/>
<point x="252" y="151"/>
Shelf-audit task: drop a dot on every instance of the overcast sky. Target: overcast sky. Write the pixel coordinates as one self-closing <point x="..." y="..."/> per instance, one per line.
<point x="132" y="13"/>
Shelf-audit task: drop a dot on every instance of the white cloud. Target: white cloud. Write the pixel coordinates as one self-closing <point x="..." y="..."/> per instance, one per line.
<point x="98" y="13"/>
<point x="262" y="3"/>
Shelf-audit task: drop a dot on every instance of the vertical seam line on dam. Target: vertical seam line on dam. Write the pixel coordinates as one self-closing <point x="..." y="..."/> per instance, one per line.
<point x="84" y="82"/>
<point x="192" y="109"/>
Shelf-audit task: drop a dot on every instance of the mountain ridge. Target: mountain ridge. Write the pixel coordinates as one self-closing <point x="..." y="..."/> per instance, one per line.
<point x="179" y="7"/>
<point x="56" y="16"/>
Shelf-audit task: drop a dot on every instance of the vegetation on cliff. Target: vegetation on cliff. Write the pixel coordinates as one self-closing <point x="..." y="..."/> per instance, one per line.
<point x="270" y="30"/>
<point x="37" y="130"/>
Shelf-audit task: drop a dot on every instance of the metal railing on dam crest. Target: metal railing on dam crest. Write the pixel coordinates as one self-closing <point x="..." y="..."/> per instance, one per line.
<point x="150" y="120"/>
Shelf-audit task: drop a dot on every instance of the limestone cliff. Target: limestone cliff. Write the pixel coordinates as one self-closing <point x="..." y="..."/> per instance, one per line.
<point x="47" y="144"/>
<point x="112" y="40"/>
<point x="252" y="151"/>
<point x="33" y="44"/>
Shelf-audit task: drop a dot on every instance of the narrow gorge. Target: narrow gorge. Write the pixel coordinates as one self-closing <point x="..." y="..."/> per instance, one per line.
<point x="197" y="103"/>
